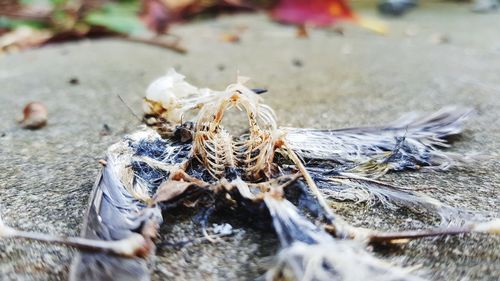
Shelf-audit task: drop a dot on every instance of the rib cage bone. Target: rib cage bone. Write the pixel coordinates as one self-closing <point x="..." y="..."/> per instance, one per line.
<point x="219" y="150"/>
<point x="213" y="145"/>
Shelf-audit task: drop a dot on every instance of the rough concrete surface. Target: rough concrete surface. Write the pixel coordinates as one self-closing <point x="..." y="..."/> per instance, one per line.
<point x="325" y="81"/>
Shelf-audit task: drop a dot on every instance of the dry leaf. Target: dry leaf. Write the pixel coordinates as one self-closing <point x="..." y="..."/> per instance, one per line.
<point x="156" y="16"/>
<point x="313" y="12"/>
<point x="169" y="190"/>
<point x="372" y="24"/>
<point x="231" y="38"/>
<point x="35" y="116"/>
<point x="23" y="37"/>
<point x="302" y="31"/>
<point x="178" y="4"/>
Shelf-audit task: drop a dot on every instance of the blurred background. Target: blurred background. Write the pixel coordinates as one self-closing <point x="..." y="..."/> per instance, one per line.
<point x="31" y="23"/>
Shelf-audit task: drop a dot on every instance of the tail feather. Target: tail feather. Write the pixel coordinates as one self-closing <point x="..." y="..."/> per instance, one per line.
<point x="354" y="188"/>
<point x="309" y="253"/>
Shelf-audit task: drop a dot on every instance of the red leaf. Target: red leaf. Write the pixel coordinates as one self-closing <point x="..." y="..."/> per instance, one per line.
<point x="156" y="16"/>
<point x="315" y="12"/>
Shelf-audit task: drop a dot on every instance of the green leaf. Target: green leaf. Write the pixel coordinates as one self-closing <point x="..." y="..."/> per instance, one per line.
<point x="119" y="17"/>
<point x="10" y="23"/>
<point x="58" y="2"/>
<point x="27" y="2"/>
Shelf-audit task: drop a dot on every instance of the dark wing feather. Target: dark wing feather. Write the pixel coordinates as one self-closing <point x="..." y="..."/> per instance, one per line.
<point x="410" y="142"/>
<point x="108" y="226"/>
<point x="309" y="253"/>
<point x="116" y="211"/>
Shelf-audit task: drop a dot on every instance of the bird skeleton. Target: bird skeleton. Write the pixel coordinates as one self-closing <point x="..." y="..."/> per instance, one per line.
<point x="186" y="157"/>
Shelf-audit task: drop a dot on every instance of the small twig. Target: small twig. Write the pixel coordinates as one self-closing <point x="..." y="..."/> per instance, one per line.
<point x="133" y="246"/>
<point x="155" y="42"/>
<point x="310" y="182"/>
<point x="341" y="228"/>
<point x="208" y="237"/>
<point x="491" y="227"/>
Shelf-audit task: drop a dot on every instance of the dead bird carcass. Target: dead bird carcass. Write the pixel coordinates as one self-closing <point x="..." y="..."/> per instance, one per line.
<point x="186" y="157"/>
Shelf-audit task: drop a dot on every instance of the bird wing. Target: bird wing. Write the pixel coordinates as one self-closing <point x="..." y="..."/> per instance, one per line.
<point x="410" y="142"/>
<point x="101" y="223"/>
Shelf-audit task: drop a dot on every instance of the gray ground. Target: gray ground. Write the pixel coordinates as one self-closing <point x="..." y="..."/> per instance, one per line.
<point x="326" y="81"/>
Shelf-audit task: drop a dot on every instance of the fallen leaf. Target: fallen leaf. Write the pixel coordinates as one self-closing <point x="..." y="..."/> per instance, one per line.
<point x="169" y="190"/>
<point x="11" y="23"/>
<point x="181" y="4"/>
<point x="35" y="116"/>
<point x="231" y="38"/>
<point x="23" y="37"/>
<point x="372" y="24"/>
<point x="136" y="21"/>
<point x="321" y="13"/>
<point x="155" y="15"/>
<point x="302" y="31"/>
<point x="313" y="12"/>
<point x="118" y="17"/>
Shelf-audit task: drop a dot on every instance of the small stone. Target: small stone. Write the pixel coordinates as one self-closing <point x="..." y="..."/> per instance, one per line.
<point x="105" y="131"/>
<point x="297" y="63"/>
<point x="74" y="81"/>
<point x="223" y="229"/>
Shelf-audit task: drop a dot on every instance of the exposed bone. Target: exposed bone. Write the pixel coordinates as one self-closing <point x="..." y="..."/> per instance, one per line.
<point x="491" y="227"/>
<point x="310" y="182"/>
<point x="133" y="246"/>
